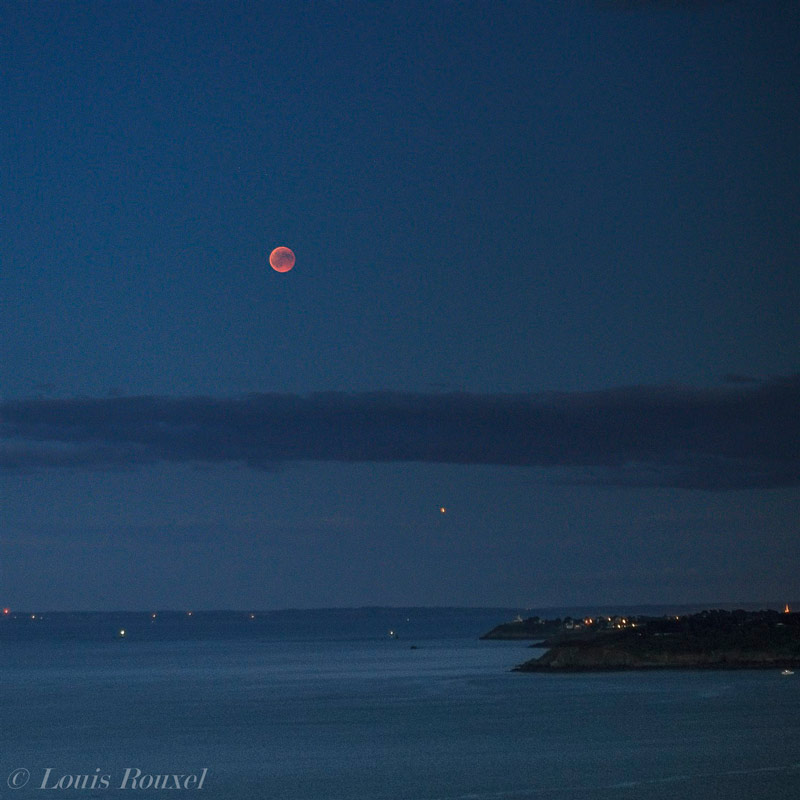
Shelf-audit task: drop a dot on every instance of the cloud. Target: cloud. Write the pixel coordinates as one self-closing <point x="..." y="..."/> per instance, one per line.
<point x="737" y="436"/>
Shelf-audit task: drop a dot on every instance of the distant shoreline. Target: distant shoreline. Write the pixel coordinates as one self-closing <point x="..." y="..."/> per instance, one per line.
<point x="654" y="609"/>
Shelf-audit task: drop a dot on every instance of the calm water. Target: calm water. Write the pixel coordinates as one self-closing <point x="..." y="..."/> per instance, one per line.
<point x="325" y="705"/>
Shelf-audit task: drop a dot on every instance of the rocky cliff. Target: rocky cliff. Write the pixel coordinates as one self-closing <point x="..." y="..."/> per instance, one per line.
<point x="709" y="640"/>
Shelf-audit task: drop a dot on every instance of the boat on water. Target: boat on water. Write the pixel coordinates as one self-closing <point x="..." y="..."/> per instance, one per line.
<point x="787" y="672"/>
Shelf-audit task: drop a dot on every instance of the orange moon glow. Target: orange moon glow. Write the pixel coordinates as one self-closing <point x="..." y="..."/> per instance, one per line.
<point x="281" y="259"/>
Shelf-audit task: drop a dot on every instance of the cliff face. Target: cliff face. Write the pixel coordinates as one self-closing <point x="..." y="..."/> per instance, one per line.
<point x="582" y="659"/>
<point x="718" y="640"/>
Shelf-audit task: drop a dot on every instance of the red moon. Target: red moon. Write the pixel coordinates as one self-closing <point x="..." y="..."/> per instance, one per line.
<point x="281" y="259"/>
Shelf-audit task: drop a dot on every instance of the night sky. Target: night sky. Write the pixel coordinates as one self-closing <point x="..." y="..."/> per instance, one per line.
<point x="547" y="279"/>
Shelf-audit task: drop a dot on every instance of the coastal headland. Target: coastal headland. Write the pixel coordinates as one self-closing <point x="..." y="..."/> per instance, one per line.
<point x="715" y="639"/>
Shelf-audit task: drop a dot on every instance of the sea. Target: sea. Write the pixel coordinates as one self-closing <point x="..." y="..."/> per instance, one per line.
<point x="368" y="704"/>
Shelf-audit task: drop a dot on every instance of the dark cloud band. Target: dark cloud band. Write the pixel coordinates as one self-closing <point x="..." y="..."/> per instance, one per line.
<point x="744" y="435"/>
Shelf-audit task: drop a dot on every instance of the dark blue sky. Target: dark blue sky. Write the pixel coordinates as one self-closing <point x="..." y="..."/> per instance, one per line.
<point x="547" y="277"/>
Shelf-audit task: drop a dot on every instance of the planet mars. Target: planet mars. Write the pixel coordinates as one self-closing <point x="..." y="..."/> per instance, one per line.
<point x="281" y="259"/>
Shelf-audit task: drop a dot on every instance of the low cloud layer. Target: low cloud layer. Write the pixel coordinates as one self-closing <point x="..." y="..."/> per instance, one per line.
<point x="739" y="436"/>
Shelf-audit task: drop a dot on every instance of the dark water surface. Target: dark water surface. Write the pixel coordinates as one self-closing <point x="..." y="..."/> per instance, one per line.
<point x="325" y="705"/>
